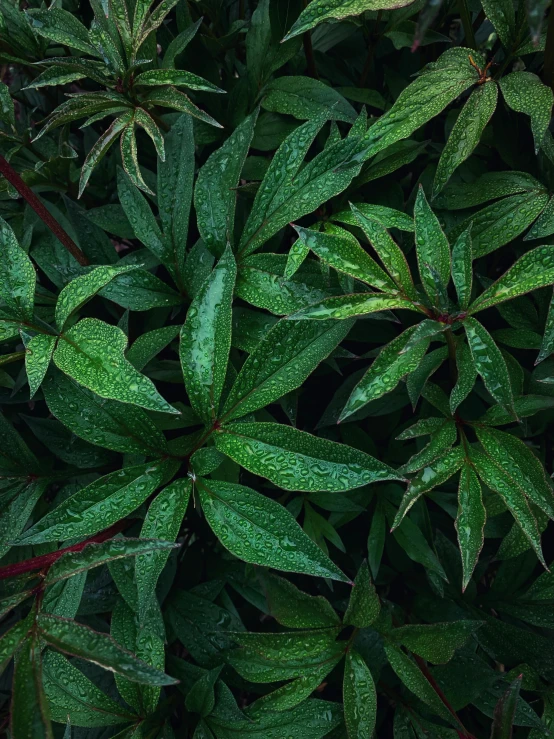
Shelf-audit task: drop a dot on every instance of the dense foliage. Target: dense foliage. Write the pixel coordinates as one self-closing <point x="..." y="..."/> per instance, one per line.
<point x="277" y="372"/>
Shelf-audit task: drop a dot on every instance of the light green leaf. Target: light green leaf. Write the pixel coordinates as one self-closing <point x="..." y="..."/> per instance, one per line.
<point x="97" y="506"/>
<point x="258" y="530"/>
<point x="489" y="363"/>
<point x="38" y="353"/>
<point x="433" y="250"/>
<point x="493" y="474"/>
<point x="92" y="352"/>
<point x="525" y="93"/>
<point x="363" y="606"/>
<point x="267" y="375"/>
<point x="17" y="286"/>
<point x="320" y="11"/>
<point x="342" y="251"/>
<point x="206" y="339"/>
<point x="296" y="460"/>
<point x="72" y="638"/>
<point x="71" y="694"/>
<point x="215" y="191"/>
<point x="533" y="270"/>
<point x="467" y="132"/>
<point x="80" y="290"/>
<point x="359" y="697"/>
<point x="387" y="370"/>
<point x="306" y="98"/>
<point x="163" y="521"/>
<point x="107" y="423"/>
<point x="470" y="521"/>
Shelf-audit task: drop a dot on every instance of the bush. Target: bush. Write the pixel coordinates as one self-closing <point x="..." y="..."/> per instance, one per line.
<point x="277" y="375"/>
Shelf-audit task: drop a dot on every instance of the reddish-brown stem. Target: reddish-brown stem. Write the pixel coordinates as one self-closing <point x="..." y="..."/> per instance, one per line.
<point x="29" y="196"/>
<point x="46" y="560"/>
<point x="463" y="733"/>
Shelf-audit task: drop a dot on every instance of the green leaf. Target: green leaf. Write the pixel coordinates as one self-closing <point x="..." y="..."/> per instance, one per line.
<point x="11" y="640"/>
<point x="363" y="606"/>
<point x="504" y="712"/>
<point x="387" y="217"/>
<point x="63" y="27"/>
<point x="107" y="423"/>
<point x="343" y="252"/>
<point x="17" y="286"/>
<point x="129" y="156"/>
<point x="177" y="77"/>
<point x="433" y="474"/>
<point x="467" y="374"/>
<point x="290" y="607"/>
<point x="547" y="343"/>
<point x="439" y="85"/>
<point x="533" y="270"/>
<point x="489" y="363"/>
<point x="97" y="506"/>
<point x="81" y="641"/>
<point x="15" y="456"/>
<point x="258" y="530"/>
<point x="101" y="147"/>
<point x="150" y="344"/>
<point x="206" y="339"/>
<point x="94" y="555"/>
<point x="38" y="353"/>
<point x="467" y="132"/>
<point x="163" y="521"/>
<point x="215" y="191"/>
<point x="489" y="186"/>
<point x="390" y="254"/>
<point x="492" y="474"/>
<point x="350" y="306"/>
<point x="267" y="375"/>
<point x="71" y="694"/>
<point x="433" y="250"/>
<point x="306" y="98"/>
<point x="7" y="112"/>
<point x="201" y="698"/>
<point x="525" y="93"/>
<point x="320" y="11"/>
<point x="175" y="186"/>
<point x="435" y="642"/>
<point x="80" y="290"/>
<point x="359" y="697"/>
<point x="386" y="371"/>
<point x="30" y="716"/>
<point x="170" y="97"/>
<point x="92" y="353"/>
<point x="296" y="460"/>
<point x="521" y="465"/>
<point x="412" y="541"/>
<point x="462" y="268"/>
<point x="14" y="516"/>
<point x="470" y="521"/>
<point x="416" y="682"/>
<point x="502" y="16"/>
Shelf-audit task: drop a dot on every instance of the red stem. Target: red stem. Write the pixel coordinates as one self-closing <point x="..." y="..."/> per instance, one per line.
<point x="29" y="196"/>
<point x="46" y="560"/>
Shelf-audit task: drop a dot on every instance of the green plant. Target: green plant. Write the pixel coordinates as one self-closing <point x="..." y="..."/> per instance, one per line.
<point x="276" y="432"/>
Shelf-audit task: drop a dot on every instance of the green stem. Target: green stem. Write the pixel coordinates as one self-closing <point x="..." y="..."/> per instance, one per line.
<point x="466" y="22"/>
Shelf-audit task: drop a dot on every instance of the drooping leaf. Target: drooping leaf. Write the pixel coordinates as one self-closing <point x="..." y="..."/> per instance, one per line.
<point x="525" y="93"/>
<point x="92" y="353"/>
<point x="489" y="363"/>
<point x="17" y="286"/>
<point x="433" y="250"/>
<point x="359" y="696"/>
<point x="30" y="716"/>
<point x="38" y="353"/>
<point x="502" y="16"/>
<point x="363" y="606"/>
<point x="296" y="460"/>
<point x="259" y="530"/>
<point x="470" y="521"/>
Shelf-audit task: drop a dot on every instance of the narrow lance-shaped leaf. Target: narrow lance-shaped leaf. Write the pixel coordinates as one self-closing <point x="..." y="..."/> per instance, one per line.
<point x="533" y="270"/>
<point x="11" y="640"/>
<point x="462" y="268"/>
<point x="30" y="716"/>
<point x="525" y="93"/>
<point x="489" y="363"/>
<point x="359" y="697"/>
<point x="504" y="712"/>
<point x="63" y="27"/>
<point x="363" y="606"/>
<point x="92" y="352"/>
<point x="467" y="132"/>
<point x="81" y="641"/>
<point x="129" y="156"/>
<point x="268" y="374"/>
<point x="17" y="286"/>
<point x="547" y="344"/>
<point x="259" y="530"/>
<point x="470" y="521"/>
<point x="390" y="254"/>
<point x="101" y="147"/>
<point x="206" y="339"/>
<point x="296" y="460"/>
<point x="432" y="247"/>
<point x="344" y="253"/>
<point x="215" y="191"/>
<point x="386" y="371"/>
<point x="163" y="521"/>
<point x="38" y="353"/>
<point x="97" y="506"/>
<point x="342" y="307"/>
<point x="77" y="292"/>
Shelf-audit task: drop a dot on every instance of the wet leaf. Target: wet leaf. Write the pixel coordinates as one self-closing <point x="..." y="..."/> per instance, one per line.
<point x="363" y="606"/>
<point x="470" y="521"/>
<point x="525" y="93"/>
<point x="17" y="286"/>
<point x="433" y="250"/>
<point x="489" y="363"/>
<point x="359" y="696"/>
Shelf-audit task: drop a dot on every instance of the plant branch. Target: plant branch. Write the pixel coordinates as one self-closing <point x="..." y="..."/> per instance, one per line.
<point x="466" y="23"/>
<point x="33" y="201"/>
